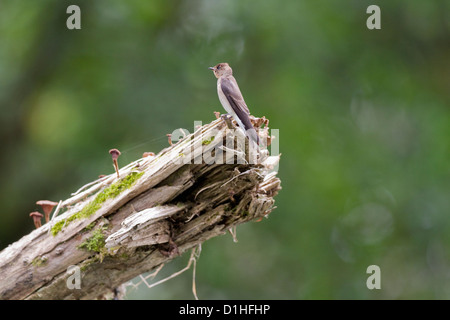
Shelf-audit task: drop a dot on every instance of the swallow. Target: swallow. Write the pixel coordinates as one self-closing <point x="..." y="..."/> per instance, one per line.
<point x="231" y="98"/>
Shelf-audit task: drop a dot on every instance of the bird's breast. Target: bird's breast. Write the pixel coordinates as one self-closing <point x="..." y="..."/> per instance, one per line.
<point x="223" y="99"/>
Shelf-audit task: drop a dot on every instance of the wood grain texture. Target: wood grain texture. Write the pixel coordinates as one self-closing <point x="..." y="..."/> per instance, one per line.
<point x="173" y="206"/>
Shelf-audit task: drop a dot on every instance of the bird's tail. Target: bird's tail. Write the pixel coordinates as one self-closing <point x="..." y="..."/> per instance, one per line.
<point x="251" y="133"/>
<point x="248" y="129"/>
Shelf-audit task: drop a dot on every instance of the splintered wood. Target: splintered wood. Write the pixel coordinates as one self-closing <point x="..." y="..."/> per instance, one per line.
<point x="114" y="229"/>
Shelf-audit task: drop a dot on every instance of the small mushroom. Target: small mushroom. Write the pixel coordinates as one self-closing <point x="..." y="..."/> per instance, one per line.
<point x="47" y="207"/>
<point x="259" y="122"/>
<point x="169" y="137"/>
<point x="227" y="118"/>
<point x="217" y="114"/>
<point x="37" y="216"/>
<point x="115" y="154"/>
<point x="148" y="154"/>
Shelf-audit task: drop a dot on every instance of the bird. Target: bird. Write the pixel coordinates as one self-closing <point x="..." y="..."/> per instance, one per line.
<point x="231" y="98"/>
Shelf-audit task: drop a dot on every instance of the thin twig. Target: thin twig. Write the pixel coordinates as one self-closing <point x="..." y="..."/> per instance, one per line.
<point x="194" y="288"/>
<point x="173" y="275"/>
<point x="232" y="231"/>
<point x="151" y="275"/>
<point x="89" y="184"/>
<point x="56" y="210"/>
<point x="206" y="188"/>
<point x="240" y="174"/>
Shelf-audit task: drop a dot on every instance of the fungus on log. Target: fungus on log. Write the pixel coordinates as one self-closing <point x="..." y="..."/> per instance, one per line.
<point x="115" y="229"/>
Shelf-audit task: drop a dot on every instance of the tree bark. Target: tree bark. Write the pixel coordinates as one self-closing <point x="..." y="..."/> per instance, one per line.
<point x="115" y="229"/>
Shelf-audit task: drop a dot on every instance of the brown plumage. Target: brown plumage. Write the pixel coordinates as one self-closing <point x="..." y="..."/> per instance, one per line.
<point x="231" y="98"/>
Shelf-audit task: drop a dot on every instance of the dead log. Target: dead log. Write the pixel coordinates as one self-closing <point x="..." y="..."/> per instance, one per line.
<point x="115" y="229"/>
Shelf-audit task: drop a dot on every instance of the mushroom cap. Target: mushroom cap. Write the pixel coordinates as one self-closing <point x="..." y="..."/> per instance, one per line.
<point x="36" y="214"/>
<point x="115" y="153"/>
<point x="47" y="206"/>
<point x="46" y="203"/>
<point x="148" y="154"/>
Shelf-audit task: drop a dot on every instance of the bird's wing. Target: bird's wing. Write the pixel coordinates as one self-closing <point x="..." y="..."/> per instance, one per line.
<point x="234" y="96"/>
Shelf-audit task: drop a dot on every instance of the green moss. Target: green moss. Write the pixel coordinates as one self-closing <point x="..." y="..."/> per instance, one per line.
<point x="86" y="263"/>
<point x="96" y="242"/>
<point x="207" y="141"/>
<point x="90" y="226"/>
<point x="39" y="261"/>
<point x="108" y="193"/>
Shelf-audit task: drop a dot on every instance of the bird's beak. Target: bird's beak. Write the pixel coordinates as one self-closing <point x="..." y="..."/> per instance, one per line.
<point x="211" y="68"/>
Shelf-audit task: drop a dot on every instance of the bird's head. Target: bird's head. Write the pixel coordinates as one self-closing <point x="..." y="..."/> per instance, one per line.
<point x="222" y="69"/>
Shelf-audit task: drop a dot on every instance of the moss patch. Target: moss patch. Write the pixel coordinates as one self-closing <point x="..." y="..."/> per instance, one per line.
<point x="90" y="226"/>
<point x="96" y="242"/>
<point x="86" y="263"/>
<point x="207" y="141"/>
<point x="39" y="261"/>
<point x="110" y="192"/>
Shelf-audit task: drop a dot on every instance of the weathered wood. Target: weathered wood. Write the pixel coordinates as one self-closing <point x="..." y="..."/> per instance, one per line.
<point x="169" y="205"/>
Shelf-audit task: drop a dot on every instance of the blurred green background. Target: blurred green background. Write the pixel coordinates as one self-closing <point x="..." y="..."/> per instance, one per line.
<point x="364" y="120"/>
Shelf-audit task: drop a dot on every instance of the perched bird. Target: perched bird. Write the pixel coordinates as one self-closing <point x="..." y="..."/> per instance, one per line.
<point x="231" y="99"/>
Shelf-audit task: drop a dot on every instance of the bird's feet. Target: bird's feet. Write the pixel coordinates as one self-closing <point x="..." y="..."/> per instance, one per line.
<point x="227" y="118"/>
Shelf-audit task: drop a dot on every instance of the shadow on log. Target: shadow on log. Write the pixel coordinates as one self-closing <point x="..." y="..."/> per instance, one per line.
<point x="115" y="229"/>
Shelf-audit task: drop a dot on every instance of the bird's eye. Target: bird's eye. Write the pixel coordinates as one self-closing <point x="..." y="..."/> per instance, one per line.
<point x="218" y="67"/>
